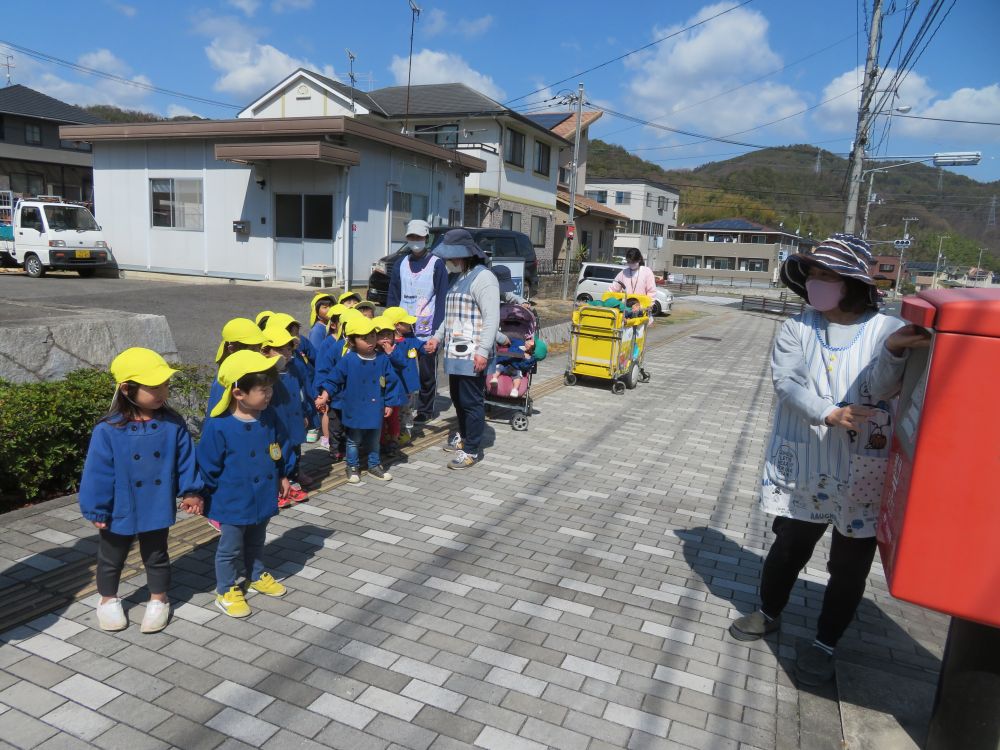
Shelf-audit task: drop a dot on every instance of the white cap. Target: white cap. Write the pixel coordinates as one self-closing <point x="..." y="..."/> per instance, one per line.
<point x="418" y="227"/>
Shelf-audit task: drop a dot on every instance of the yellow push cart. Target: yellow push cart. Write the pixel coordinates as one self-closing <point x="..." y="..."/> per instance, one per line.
<point x="606" y="344"/>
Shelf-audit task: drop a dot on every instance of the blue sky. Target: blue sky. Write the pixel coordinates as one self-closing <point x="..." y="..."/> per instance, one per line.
<point x="718" y="79"/>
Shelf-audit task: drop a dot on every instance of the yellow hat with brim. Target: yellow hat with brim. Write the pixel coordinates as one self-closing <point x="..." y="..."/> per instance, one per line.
<point x="239" y="365"/>
<point x="384" y="323"/>
<point x="348" y="295"/>
<point x="276" y="335"/>
<point x="262" y="315"/>
<point x="312" y="305"/>
<point x="359" y="325"/>
<point x="337" y="311"/>
<point x="239" y="331"/>
<point x="142" y="366"/>
<point x="365" y="305"/>
<point x="282" y="319"/>
<point x="399" y="315"/>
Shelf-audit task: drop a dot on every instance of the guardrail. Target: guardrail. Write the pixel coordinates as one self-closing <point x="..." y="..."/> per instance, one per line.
<point x="771" y="305"/>
<point x="681" y="288"/>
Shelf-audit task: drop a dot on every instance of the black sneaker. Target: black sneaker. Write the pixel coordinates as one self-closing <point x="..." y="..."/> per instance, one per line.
<point x="422" y="418"/>
<point x="814" y="666"/>
<point x="377" y="472"/>
<point x="353" y="474"/>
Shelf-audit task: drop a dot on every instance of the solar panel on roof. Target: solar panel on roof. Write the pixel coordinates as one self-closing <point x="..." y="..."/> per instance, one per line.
<point x="549" y="120"/>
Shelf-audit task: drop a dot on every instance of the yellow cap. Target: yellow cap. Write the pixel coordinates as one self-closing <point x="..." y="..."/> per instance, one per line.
<point x="242" y="363"/>
<point x="239" y="331"/>
<point x="142" y="366"/>
<point x="359" y="325"/>
<point x="348" y="295"/>
<point x="282" y="319"/>
<point x="398" y="315"/>
<point x="384" y="323"/>
<point x="263" y="314"/>
<point x="276" y="335"/>
<point x="337" y="312"/>
<point x="312" y="305"/>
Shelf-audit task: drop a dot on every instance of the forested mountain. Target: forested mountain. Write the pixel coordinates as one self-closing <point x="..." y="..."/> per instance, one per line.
<point x="781" y="185"/>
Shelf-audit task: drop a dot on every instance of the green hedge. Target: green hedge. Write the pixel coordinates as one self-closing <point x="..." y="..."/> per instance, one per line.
<point x="45" y="428"/>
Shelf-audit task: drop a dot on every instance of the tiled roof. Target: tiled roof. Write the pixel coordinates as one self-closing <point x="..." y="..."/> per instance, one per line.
<point x="589" y="205"/>
<point x="733" y="225"/>
<point x="435" y="99"/>
<point x="567" y="128"/>
<point x="20" y="100"/>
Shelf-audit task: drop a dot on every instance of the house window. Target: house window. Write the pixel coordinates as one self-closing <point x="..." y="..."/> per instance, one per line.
<point x="406" y="206"/>
<point x="661" y="203"/>
<point x="3" y="129"/>
<point x="721" y="264"/>
<point x="288" y="215"/>
<point x="657" y="229"/>
<point x="445" y="136"/>
<point x="585" y="238"/>
<point x="303" y="216"/>
<point x="177" y="204"/>
<point x="623" y="198"/>
<point x="886" y="267"/>
<point x="511" y="220"/>
<point x="686" y="261"/>
<point x="454" y="217"/>
<point x="543" y="158"/>
<point x="564" y="175"/>
<point x="538" y="231"/>
<point x="75" y="145"/>
<point x="758" y="239"/>
<point x="649" y="200"/>
<point x="601" y="196"/>
<point x="513" y="149"/>
<point x="757" y="265"/>
<point x="33" y="135"/>
<point x="690" y="237"/>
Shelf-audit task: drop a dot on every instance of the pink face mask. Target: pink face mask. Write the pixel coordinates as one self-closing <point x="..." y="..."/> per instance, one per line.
<point x="825" y="295"/>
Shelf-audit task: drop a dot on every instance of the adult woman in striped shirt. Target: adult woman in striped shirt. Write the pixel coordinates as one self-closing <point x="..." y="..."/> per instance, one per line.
<point x="836" y="367"/>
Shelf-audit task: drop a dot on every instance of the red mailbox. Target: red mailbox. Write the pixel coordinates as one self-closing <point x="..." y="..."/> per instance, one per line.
<point x="939" y="527"/>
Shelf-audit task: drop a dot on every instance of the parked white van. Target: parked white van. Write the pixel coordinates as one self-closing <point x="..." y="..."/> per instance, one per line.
<point x="595" y="279"/>
<point x="45" y="233"/>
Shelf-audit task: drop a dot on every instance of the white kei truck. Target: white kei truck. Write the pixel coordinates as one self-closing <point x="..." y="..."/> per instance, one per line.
<point x="46" y="233"/>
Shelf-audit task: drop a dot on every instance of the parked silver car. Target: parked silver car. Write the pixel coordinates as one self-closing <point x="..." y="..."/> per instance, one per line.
<point x="595" y="279"/>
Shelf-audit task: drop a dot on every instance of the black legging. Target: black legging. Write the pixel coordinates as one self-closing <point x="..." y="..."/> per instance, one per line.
<point x="849" y="565"/>
<point x="112" y="551"/>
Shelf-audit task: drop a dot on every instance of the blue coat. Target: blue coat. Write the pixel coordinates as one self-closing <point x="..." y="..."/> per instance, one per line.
<point x="365" y="388"/>
<point x="317" y="334"/>
<point x="306" y="349"/>
<point x="404" y="359"/>
<point x="330" y="353"/>
<point x="287" y="404"/>
<point x="134" y="474"/>
<point x="214" y="394"/>
<point x="241" y="477"/>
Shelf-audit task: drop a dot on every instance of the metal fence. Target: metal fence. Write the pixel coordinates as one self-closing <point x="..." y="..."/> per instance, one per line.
<point x="730" y="281"/>
<point x="548" y="266"/>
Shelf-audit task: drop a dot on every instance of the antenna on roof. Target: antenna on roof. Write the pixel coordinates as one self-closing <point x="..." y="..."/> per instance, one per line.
<point x="8" y="64"/>
<point x="415" y="14"/>
<point x="350" y="60"/>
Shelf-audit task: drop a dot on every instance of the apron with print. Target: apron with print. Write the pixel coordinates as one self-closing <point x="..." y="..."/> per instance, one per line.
<point x="417" y="295"/>
<point x="463" y="326"/>
<point x="827" y="474"/>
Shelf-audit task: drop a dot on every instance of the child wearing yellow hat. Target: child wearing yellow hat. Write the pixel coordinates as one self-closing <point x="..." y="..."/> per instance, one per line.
<point x="141" y="459"/>
<point x="330" y="352"/>
<point x="319" y="309"/>
<point x="404" y="356"/>
<point x="302" y="365"/>
<point x="286" y="401"/>
<point x="244" y="457"/>
<point x="365" y="383"/>
<point x="238" y="334"/>
<point x="385" y="334"/>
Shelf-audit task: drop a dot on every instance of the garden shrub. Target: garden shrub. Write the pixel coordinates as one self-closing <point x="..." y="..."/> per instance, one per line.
<point x="45" y="428"/>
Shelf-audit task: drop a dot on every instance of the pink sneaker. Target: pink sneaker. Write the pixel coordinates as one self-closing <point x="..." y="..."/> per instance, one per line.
<point x="214" y="524"/>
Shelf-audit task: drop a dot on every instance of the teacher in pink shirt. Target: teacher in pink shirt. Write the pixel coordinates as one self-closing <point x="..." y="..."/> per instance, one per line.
<point x="636" y="277"/>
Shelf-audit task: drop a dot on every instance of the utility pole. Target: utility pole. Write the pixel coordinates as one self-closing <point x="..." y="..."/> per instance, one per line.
<point x="572" y="192"/>
<point x="902" y="251"/>
<point x="979" y="267"/>
<point x="864" y="120"/>
<point x="941" y="240"/>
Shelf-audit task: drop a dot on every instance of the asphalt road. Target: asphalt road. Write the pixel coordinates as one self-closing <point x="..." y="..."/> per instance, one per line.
<point x="196" y="312"/>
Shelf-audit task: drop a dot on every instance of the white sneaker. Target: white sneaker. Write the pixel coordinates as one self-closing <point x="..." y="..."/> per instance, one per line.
<point x="513" y="392"/>
<point x="111" y="616"/>
<point x="155" y="619"/>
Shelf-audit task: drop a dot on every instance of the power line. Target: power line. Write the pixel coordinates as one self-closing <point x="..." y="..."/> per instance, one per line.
<point x="946" y="119"/>
<point x="44" y="57"/>
<point x="630" y="52"/>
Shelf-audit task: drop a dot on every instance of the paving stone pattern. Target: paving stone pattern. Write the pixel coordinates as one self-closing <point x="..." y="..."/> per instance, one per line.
<point x="572" y="591"/>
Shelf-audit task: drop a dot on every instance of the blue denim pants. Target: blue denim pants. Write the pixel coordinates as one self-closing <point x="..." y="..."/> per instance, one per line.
<point x="240" y="550"/>
<point x="363" y="442"/>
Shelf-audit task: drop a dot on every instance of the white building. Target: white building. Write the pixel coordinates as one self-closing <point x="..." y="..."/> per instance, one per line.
<point x="298" y="178"/>
<point x="651" y="208"/>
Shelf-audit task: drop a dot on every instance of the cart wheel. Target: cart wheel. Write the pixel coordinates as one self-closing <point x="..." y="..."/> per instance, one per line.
<point x="643" y="376"/>
<point x="569" y="378"/>
<point x="618" y="387"/>
<point x="519" y="422"/>
<point x="632" y="379"/>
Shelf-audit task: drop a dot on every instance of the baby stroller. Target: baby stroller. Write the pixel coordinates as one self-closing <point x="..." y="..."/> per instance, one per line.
<point x="520" y="323"/>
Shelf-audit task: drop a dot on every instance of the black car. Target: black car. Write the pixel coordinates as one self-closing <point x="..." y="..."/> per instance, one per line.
<point x="502" y="243"/>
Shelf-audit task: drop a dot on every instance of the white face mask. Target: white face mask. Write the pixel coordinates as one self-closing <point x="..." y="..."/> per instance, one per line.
<point x="633" y="266"/>
<point x="417" y="248"/>
<point x="454" y="266"/>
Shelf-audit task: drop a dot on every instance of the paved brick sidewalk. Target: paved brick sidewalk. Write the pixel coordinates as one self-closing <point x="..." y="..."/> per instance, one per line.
<point x="572" y="591"/>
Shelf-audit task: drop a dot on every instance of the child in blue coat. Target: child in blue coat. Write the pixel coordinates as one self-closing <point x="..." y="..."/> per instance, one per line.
<point x="365" y="382"/>
<point x="319" y="310"/>
<point x="385" y="333"/>
<point x="244" y="459"/>
<point x="286" y="401"/>
<point x="405" y="358"/>
<point x="141" y="459"/>
<point x="330" y="352"/>
<point x="303" y="366"/>
<point x="238" y="334"/>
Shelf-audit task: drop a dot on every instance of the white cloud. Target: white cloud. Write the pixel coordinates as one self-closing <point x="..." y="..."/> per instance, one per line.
<point x="436" y="22"/>
<point x="176" y="110"/>
<point x="432" y="66"/>
<point x="86" y="89"/>
<point x="280" y="6"/>
<point x="670" y="81"/>
<point x="249" y="7"/>
<point x="981" y="105"/>
<point x="126" y="10"/>
<point x="840" y="114"/>
<point x="247" y="67"/>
